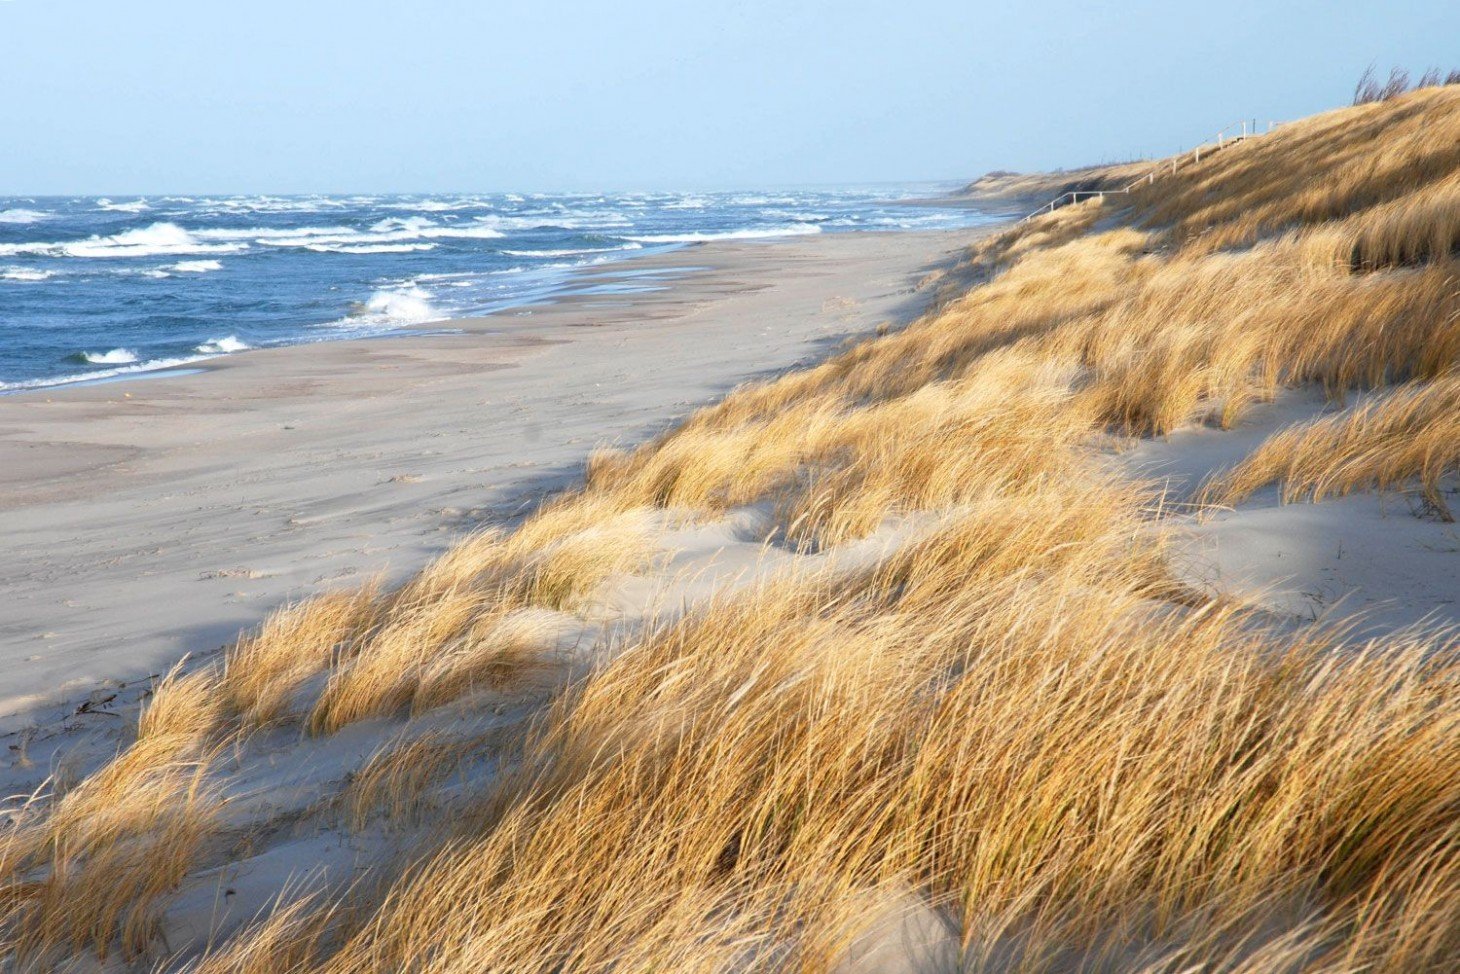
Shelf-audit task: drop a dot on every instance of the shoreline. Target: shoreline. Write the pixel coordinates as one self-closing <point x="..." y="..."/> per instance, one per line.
<point x="210" y="361"/>
<point x="150" y="520"/>
<point x="299" y="321"/>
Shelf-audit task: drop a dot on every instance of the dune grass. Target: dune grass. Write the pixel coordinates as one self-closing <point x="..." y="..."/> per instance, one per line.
<point x="1016" y="719"/>
<point x="1408" y="437"/>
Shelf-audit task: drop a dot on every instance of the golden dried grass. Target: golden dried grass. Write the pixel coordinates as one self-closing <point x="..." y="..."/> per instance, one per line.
<point x="1408" y="436"/>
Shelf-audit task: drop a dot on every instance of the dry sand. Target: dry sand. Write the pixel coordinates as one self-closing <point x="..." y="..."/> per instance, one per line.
<point x="144" y="520"/>
<point x="1376" y="560"/>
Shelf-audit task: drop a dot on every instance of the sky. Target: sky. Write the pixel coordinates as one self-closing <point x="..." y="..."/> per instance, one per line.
<point x="299" y="96"/>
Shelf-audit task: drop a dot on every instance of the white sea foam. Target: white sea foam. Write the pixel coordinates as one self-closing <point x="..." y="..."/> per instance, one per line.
<point x="800" y="216"/>
<point x="418" y="227"/>
<point x="431" y="205"/>
<point x="25" y="274"/>
<point x="477" y="230"/>
<point x="752" y="199"/>
<point x="395" y="224"/>
<point x="411" y="304"/>
<point x="61" y="380"/>
<point x="791" y="230"/>
<point x="555" y="218"/>
<point x="159" y="239"/>
<point x="572" y="251"/>
<point x="117" y="356"/>
<point x="271" y="234"/>
<point x="22" y="216"/>
<point x="399" y="231"/>
<point x="449" y="276"/>
<point x="276" y="204"/>
<point x="393" y="231"/>
<point x="197" y="266"/>
<point x="222" y="346"/>
<point x="403" y="248"/>
<point x="133" y="206"/>
<point x="389" y="307"/>
<point x="440" y="206"/>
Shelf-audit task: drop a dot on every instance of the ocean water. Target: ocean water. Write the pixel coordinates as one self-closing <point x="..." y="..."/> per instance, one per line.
<point x="95" y="287"/>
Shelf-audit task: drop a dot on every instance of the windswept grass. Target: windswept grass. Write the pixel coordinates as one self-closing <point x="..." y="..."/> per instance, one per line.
<point x="1010" y="720"/>
<point x="139" y="824"/>
<point x="1409" y="436"/>
<point x="1070" y="770"/>
<point x="1310" y="173"/>
<point x="1370" y="89"/>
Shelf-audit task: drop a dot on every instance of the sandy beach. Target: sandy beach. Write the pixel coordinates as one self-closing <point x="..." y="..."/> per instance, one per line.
<point x="153" y="518"/>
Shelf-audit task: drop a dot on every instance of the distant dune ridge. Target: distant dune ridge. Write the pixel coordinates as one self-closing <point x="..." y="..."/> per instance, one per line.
<point x="900" y="662"/>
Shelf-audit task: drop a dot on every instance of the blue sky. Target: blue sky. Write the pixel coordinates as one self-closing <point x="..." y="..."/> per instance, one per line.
<point x="148" y="96"/>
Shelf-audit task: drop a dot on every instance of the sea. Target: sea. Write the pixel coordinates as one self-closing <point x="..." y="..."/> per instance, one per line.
<point x="97" y="288"/>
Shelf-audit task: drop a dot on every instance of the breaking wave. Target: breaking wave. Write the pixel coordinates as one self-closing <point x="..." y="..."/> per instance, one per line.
<point x="389" y="308"/>
<point x="222" y="346"/>
<point x="117" y="356"/>
<point x="412" y="304"/>
<point x="403" y="248"/>
<point x="22" y="216"/>
<point x="25" y="274"/>
<point x="159" y="239"/>
<point x="401" y="234"/>
<point x="134" y="206"/>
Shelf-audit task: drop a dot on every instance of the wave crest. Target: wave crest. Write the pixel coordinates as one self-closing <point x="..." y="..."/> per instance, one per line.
<point x="405" y="248"/>
<point x="25" y="274"/>
<point x="22" y="216"/>
<point x="222" y="346"/>
<point x="390" y="308"/>
<point x="409" y="305"/>
<point x="157" y="239"/>
<point x="117" y="356"/>
<point x="133" y="206"/>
